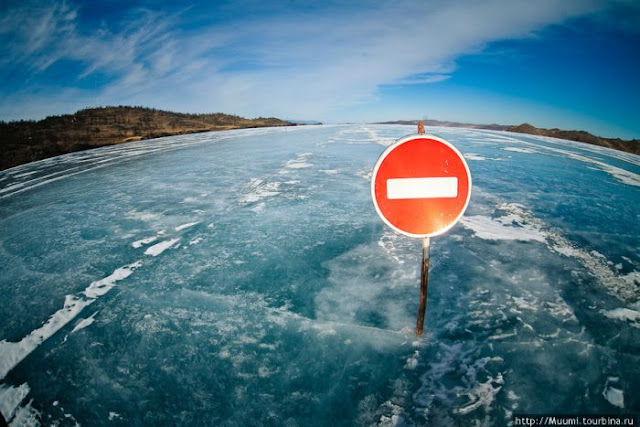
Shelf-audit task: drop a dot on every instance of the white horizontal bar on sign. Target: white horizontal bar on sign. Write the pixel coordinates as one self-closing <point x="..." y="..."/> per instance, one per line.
<point x="422" y="188"/>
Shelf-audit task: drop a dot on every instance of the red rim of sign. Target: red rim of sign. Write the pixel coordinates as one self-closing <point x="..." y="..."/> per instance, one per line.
<point x="431" y="205"/>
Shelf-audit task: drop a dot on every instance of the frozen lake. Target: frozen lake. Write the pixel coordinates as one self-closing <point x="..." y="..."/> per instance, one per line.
<point x="244" y="278"/>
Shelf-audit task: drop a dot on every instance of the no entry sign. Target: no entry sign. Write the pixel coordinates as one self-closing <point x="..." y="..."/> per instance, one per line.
<point x="421" y="185"/>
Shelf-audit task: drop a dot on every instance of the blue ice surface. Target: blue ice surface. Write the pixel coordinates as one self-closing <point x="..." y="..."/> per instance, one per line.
<point x="263" y="289"/>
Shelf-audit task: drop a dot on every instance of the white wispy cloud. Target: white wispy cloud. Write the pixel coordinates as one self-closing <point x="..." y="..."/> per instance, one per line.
<point x="313" y="63"/>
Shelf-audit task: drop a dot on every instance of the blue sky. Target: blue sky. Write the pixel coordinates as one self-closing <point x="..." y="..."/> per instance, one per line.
<point x="567" y="64"/>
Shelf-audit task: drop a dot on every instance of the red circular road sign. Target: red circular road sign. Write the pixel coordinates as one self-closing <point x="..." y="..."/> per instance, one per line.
<point x="421" y="185"/>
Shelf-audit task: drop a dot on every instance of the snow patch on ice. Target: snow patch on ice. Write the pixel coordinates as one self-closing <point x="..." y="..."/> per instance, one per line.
<point x="516" y="223"/>
<point x="325" y="329"/>
<point x="259" y="190"/>
<point x="194" y="199"/>
<point x="390" y="243"/>
<point x="614" y="396"/>
<point x="360" y="135"/>
<point x="623" y="287"/>
<point x="482" y="395"/>
<point x="158" y="248"/>
<point x="624" y="315"/>
<point x="395" y="418"/>
<point x="300" y="162"/>
<point x="412" y="362"/>
<point x="102" y="286"/>
<point x="632" y="279"/>
<point x="142" y="242"/>
<point x="43" y="180"/>
<point x="476" y="157"/>
<point x="512" y="226"/>
<point x="12" y="353"/>
<point x="12" y="187"/>
<point x="25" y="416"/>
<point x="373" y="136"/>
<point x="523" y="304"/>
<point x="11" y="398"/>
<point x="84" y="323"/>
<point x="25" y="174"/>
<point x="520" y="150"/>
<point x="499" y="337"/>
<point x="622" y="175"/>
<point x="258" y="207"/>
<point x="187" y="225"/>
<point x="141" y="216"/>
<point x="480" y="381"/>
<point x="195" y="241"/>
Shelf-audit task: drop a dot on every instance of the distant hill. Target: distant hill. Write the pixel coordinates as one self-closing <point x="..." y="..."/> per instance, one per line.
<point x="447" y="124"/>
<point x="630" y="146"/>
<point x="28" y="141"/>
<point x="305" y="122"/>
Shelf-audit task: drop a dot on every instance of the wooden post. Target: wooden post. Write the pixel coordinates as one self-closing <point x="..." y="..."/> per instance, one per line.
<point x="424" y="284"/>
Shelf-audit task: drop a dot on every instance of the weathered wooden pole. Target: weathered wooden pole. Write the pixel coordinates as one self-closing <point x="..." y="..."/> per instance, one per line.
<point x="424" y="284"/>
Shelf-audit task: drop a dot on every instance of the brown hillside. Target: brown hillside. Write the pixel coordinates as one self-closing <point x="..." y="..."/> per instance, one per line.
<point x="632" y="146"/>
<point x="28" y="141"/>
